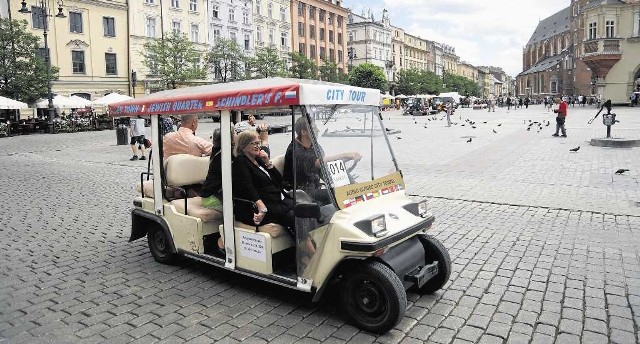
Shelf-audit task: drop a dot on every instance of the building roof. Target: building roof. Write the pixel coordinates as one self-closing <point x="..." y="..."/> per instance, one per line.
<point x="545" y="64"/>
<point x="595" y="3"/>
<point x="551" y="26"/>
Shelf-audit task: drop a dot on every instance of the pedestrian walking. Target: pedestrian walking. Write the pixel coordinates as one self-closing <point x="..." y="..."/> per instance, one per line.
<point x="526" y="102"/>
<point x="561" y="117"/>
<point x="136" y="133"/>
<point x="508" y="103"/>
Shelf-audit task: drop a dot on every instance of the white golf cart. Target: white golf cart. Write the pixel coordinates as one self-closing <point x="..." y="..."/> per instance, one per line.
<point x="369" y="240"/>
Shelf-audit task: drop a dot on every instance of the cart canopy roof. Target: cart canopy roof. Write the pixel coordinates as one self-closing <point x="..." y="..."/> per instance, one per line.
<point x="248" y="94"/>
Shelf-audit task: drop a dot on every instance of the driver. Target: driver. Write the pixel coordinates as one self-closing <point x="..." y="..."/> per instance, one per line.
<point x="307" y="169"/>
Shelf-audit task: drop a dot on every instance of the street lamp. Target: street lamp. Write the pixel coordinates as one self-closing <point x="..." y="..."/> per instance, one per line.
<point x="44" y="15"/>
<point x="351" y="54"/>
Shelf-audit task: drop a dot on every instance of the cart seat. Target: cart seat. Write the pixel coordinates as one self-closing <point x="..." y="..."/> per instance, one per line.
<point x="186" y="169"/>
<point x="196" y="209"/>
<point x="280" y="238"/>
<point x="278" y="163"/>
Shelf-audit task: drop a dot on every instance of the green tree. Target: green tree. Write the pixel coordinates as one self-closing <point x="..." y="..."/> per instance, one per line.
<point x="407" y="82"/>
<point x="226" y="60"/>
<point x="328" y="71"/>
<point x="23" y="70"/>
<point x="174" y="59"/>
<point x="267" y="63"/>
<point x="302" y="67"/>
<point x="369" y="76"/>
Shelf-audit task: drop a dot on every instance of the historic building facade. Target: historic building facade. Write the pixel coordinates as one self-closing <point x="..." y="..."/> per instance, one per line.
<point x="369" y="41"/>
<point x="416" y="52"/>
<point x="89" y="45"/>
<point x="319" y="30"/>
<point x="272" y="25"/>
<point x="468" y="71"/>
<point x="588" y="48"/>
<point x="397" y="50"/>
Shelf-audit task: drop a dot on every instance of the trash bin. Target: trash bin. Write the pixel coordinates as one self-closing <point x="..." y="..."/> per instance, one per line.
<point x="121" y="135"/>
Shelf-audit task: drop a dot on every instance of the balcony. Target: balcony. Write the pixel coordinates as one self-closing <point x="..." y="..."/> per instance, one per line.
<point x="601" y="54"/>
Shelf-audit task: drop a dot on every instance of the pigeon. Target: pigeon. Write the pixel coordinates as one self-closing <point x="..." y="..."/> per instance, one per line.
<point x="387" y="129"/>
<point x="500" y="124"/>
<point x="494" y="131"/>
<point x="399" y="138"/>
<point x="469" y="140"/>
<point x="529" y="129"/>
<point x="547" y="124"/>
<point x="473" y="126"/>
<point x="462" y="125"/>
<point x="574" y="149"/>
<point x="347" y="127"/>
<point x="621" y="170"/>
<point x="485" y="122"/>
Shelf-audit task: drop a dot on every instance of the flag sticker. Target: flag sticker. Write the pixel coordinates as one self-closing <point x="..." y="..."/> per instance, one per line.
<point x="209" y="103"/>
<point x="290" y="95"/>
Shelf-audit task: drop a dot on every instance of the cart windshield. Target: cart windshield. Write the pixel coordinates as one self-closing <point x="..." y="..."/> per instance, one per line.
<point x="355" y="151"/>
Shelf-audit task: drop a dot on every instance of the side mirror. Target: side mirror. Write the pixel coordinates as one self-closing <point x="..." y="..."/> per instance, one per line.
<point x="307" y="210"/>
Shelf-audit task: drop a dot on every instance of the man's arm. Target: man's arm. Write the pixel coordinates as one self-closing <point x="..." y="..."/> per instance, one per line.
<point x="204" y="145"/>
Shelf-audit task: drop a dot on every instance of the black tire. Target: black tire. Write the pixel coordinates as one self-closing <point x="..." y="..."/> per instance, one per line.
<point x="160" y="247"/>
<point x="373" y="297"/>
<point x="435" y="250"/>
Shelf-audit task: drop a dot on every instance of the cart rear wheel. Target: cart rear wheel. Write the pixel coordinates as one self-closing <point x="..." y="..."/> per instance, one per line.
<point x="160" y="247"/>
<point x="435" y="250"/>
<point x="373" y="297"/>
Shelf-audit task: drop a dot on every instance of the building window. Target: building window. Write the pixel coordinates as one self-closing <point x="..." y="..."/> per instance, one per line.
<point x="245" y="17"/>
<point x="216" y="35"/>
<point x="110" y="63"/>
<point x="232" y="15"/>
<point x="321" y="15"/>
<point x="77" y="61"/>
<point x="330" y="36"/>
<point x="312" y="12"/>
<point x="283" y="14"/>
<point x="270" y="10"/>
<point x="175" y="27"/>
<point x="151" y="27"/>
<point x="109" y="26"/>
<point x="351" y="36"/>
<point x="339" y="21"/>
<point x="332" y="55"/>
<point x="340" y="56"/>
<point x="312" y="31"/>
<point x="339" y="37"/>
<point x="175" y="3"/>
<point x="301" y="29"/>
<point x="312" y="51"/>
<point x="554" y="87"/>
<point x="195" y="33"/>
<point x="610" y="28"/>
<point x="593" y="30"/>
<point x="301" y="9"/>
<point x="283" y="39"/>
<point x="272" y="36"/>
<point x="301" y="49"/>
<point x="330" y="19"/>
<point x="258" y="7"/>
<point x="193" y="5"/>
<point x="259" y="34"/>
<point x="216" y="11"/>
<point x="37" y="17"/>
<point x="322" y="34"/>
<point x="233" y="37"/>
<point x="75" y="22"/>
<point x="149" y="2"/>
<point x="637" y="24"/>
<point x="323" y="53"/>
<point x="247" y="41"/>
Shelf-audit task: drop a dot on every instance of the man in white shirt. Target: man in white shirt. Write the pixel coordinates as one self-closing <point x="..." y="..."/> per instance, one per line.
<point x="136" y="132"/>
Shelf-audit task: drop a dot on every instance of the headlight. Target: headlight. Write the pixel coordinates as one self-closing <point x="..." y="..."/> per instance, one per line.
<point x="422" y="208"/>
<point x="378" y="226"/>
<point x="374" y="225"/>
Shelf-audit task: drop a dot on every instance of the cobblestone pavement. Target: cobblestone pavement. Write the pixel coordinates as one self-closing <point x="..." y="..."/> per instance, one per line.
<point x="529" y="266"/>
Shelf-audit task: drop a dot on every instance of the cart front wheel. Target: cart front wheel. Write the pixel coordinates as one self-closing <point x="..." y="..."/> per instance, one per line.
<point x="159" y="246"/>
<point x="373" y="297"/>
<point x="435" y="250"/>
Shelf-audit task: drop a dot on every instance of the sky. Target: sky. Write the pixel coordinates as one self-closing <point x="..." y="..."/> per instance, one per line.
<point x="484" y="33"/>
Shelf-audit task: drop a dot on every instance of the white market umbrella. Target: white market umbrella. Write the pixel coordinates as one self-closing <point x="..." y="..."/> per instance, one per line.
<point x="10" y="104"/>
<point x="62" y="102"/>
<point x="388" y="96"/>
<point x="110" y="99"/>
<point x="401" y="96"/>
<point x="80" y="100"/>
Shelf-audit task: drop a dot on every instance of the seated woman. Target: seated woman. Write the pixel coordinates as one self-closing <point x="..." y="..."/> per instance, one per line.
<point x="211" y="192"/>
<point x="256" y="180"/>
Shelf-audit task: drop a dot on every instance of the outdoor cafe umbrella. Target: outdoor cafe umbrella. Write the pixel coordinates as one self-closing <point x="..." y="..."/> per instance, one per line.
<point x="110" y="99"/>
<point x="10" y="104"/>
<point x="401" y="96"/>
<point x="62" y="102"/>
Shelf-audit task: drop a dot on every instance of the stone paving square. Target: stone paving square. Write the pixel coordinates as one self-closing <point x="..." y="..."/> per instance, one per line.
<point x="544" y="243"/>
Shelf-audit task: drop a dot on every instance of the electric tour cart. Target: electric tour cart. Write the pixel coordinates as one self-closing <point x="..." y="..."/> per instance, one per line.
<point x="370" y="241"/>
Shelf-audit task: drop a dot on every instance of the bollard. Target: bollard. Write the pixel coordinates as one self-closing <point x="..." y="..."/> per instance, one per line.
<point x="608" y="120"/>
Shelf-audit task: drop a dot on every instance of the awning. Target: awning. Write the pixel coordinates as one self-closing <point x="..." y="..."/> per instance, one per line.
<point x="10" y="104"/>
<point x="63" y="102"/>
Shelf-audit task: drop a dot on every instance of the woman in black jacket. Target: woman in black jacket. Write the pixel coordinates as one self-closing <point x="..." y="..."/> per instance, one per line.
<point x="256" y="180"/>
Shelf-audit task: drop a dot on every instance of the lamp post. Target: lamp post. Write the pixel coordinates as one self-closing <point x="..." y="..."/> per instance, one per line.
<point x="44" y="15"/>
<point x="351" y="54"/>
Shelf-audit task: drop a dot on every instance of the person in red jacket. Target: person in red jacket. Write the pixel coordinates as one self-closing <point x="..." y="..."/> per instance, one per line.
<point x="562" y="116"/>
